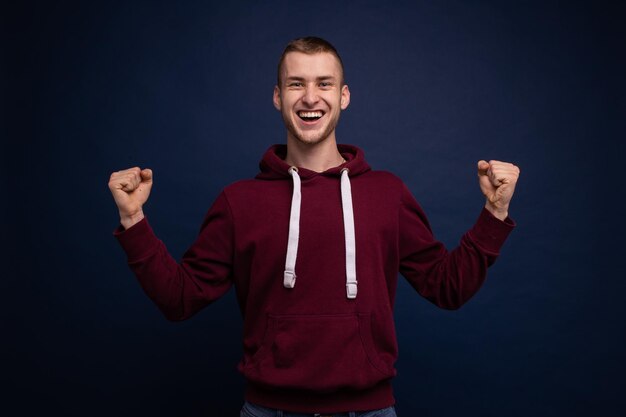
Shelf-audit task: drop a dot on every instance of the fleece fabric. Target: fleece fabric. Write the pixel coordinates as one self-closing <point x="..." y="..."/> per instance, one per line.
<point x="309" y="348"/>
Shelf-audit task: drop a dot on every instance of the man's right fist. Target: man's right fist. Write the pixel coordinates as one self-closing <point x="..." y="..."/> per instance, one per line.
<point x="130" y="189"/>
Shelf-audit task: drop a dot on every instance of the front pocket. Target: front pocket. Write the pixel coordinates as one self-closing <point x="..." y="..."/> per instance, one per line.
<point x="318" y="352"/>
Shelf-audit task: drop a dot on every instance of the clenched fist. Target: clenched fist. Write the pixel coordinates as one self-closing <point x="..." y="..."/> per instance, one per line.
<point x="497" y="182"/>
<point x="130" y="189"/>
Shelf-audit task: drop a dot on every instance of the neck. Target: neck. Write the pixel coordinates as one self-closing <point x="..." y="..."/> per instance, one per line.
<point x="317" y="157"/>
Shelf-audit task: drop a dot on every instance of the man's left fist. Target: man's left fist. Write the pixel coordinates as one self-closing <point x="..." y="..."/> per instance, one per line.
<point x="497" y="182"/>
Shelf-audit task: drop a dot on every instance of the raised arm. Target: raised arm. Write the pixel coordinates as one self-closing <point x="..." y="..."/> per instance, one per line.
<point x="450" y="278"/>
<point x="179" y="289"/>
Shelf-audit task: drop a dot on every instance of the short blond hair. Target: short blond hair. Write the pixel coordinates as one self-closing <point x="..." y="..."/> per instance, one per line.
<point x="309" y="45"/>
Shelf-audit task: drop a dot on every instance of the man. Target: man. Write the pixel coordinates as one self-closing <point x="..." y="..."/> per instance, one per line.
<point x="313" y="246"/>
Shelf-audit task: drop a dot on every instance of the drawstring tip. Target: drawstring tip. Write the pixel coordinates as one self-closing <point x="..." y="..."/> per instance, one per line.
<point x="289" y="279"/>
<point x="351" y="290"/>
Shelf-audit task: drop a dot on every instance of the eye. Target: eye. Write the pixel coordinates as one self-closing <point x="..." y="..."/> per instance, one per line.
<point x="295" y="84"/>
<point x="325" y="84"/>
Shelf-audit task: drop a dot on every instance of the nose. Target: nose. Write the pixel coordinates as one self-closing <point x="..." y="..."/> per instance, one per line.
<point x="310" y="96"/>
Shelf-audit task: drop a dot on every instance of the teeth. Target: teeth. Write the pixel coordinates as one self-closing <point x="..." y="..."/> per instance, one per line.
<point x="310" y="114"/>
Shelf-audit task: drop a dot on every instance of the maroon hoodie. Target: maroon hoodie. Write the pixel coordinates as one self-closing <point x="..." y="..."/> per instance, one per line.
<point x="315" y="340"/>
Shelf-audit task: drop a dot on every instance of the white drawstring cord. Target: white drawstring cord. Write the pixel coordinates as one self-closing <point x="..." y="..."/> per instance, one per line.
<point x="348" y="224"/>
<point x="289" y="278"/>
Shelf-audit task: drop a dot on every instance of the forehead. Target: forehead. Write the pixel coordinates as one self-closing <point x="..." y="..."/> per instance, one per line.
<point x="299" y="64"/>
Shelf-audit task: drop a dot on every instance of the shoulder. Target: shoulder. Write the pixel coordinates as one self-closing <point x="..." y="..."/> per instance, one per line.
<point x="251" y="190"/>
<point x="393" y="186"/>
<point x="241" y="186"/>
<point x="380" y="185"/>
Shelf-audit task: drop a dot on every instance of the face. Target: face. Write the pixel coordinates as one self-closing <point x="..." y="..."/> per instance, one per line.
<point x="311" y="97"/>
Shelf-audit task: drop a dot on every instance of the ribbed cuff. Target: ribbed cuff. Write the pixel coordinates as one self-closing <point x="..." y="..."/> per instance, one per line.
<point x="138" y="241"/>
<point x="489" y="232"/>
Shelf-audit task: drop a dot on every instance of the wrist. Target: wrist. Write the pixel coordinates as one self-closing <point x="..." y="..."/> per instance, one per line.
<point x="127" y="221"/>
<point x="499" y="213"/>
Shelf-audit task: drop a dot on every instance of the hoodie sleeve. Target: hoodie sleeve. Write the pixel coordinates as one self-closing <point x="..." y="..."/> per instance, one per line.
<point x="447" y="278"/>
<point x="202" y="276"/>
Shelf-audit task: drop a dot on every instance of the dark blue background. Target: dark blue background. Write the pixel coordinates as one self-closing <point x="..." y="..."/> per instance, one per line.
<point x="185" y="89"/>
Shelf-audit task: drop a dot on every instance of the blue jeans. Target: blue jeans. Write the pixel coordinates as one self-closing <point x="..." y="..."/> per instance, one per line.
<point x="253" y="410"/>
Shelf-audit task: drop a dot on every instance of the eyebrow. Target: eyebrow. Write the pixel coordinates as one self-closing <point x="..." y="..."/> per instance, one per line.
<point x="321" y="78"/>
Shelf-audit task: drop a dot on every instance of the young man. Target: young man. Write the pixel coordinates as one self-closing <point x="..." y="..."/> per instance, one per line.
<point x="313" y="246"/>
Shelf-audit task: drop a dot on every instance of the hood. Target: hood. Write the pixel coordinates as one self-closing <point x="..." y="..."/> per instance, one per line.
<point x="273" y="166"/>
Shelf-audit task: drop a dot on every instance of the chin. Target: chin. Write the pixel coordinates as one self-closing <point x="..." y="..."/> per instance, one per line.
<point x="310" y="139"/>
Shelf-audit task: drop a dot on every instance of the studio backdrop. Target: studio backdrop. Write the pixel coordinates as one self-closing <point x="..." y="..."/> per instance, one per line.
<point x="185" y="88"/>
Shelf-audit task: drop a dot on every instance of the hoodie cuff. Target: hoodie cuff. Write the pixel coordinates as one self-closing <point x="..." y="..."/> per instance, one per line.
<point x="489" y="232"/>
<point x="138" y="241"/>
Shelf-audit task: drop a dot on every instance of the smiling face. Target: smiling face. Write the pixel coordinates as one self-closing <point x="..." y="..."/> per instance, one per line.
<point x="311" y="96"/>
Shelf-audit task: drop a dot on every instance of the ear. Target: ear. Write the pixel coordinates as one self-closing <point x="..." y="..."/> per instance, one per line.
<point x="276" y="98"/>
<point x="345" y="97"/>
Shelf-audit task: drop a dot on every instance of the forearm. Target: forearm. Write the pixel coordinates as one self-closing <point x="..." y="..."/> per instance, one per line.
<point x="450" y="278"/>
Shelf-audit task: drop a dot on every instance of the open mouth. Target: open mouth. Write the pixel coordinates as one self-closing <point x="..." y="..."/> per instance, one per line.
<point x="310" y="116"/>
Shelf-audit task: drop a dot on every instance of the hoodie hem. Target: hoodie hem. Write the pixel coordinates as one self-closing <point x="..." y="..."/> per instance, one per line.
<point x="303" y="401"/>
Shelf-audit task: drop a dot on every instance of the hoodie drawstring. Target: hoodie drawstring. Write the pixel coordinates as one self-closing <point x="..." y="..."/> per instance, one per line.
<point x="348" y="225"/>
<point x="289" y="278"/>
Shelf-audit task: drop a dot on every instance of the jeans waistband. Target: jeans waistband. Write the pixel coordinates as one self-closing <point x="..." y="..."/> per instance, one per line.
<point x="254" y="410"/>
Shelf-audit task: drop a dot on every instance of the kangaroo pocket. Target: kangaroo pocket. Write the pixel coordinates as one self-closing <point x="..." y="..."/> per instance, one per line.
<point x="318" y="352"/>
